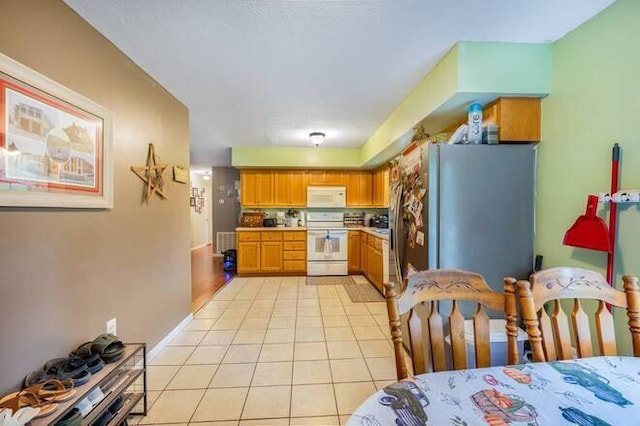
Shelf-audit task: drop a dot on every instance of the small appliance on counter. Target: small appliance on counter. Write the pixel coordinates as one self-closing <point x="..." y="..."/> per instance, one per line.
<point x="368" y="220"/>
<point x="381" y="221"/>
<point x="280" y="219"/>
<point x="269" y="222"/>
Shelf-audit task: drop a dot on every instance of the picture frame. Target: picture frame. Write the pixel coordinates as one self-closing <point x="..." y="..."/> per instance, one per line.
<point x="192" y="201"/>
<point x="194" y="191"/>
<point x="55" y="144"/>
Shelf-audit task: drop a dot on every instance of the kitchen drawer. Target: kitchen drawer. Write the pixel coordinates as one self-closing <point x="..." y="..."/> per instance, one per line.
<point x="294" y="236"/>
<point x="294" y="255"/>
<point x="295" y="265"/>
<point x="271" y="236"/>
<point x="295" y="245"/>
<point x="248" y="236"/>
<point x="377" y="243"/>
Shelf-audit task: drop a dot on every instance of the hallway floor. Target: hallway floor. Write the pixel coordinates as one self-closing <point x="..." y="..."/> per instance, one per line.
<point x="272" y="351"/>
<point x="207" y="276"/>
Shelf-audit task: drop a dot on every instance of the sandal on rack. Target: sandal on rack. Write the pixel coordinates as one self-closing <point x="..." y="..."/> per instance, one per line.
<point x="35" y="377"/>
<point x="19" y="418"/>
<point x="25" y="415"/>
<point x="68" y="368"/>
<point x="72" y="418"/>
<point x="110" y="348"/>
<point x="89" y="357"/>
<point x="28" y="399"/>
<point x="50" y="390"/>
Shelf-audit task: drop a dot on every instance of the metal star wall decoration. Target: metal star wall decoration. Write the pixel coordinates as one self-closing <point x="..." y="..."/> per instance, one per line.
<point x="152" y="175"/>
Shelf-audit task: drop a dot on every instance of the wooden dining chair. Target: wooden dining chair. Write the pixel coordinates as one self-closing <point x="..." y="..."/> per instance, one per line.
<point x="551" y="335"/>
<point x="422" y="298"/>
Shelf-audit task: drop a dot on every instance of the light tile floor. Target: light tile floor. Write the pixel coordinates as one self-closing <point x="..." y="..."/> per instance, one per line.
<point x="272" y="351"/>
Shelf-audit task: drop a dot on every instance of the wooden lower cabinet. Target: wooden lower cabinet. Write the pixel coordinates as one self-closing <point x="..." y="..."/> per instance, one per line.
<point x="272" y="252"/>
<point x="248" y="257"/>
<point x="371" y="260"/>
<point x="364" y="264"/>
<point x="376" y="274"/>
<point x="353" y="256"/>
<point x="295" y="252"/>
<point x="271" y="256"/>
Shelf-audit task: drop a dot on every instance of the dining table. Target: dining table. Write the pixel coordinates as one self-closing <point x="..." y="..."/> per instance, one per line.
<point x="594" y="391"/>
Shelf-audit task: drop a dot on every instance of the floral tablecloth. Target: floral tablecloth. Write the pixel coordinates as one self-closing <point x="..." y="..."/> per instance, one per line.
<point x="591" y="391"/>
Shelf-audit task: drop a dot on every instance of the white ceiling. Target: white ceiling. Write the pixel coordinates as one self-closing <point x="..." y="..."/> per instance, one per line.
<point x="266" y="73"/>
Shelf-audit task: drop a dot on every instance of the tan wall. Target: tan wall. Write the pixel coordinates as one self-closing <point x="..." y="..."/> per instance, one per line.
<point x="63" y="273"/>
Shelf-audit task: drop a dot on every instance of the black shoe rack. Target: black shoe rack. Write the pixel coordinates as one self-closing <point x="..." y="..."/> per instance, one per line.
<point x="126" y="377"/>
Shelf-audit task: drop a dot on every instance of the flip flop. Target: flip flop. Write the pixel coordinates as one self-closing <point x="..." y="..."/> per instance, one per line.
<point x="50" y="390"/>
<point x="28" y="399"/>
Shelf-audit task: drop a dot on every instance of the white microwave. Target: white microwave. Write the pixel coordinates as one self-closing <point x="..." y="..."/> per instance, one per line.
<point x="326" y="196"/>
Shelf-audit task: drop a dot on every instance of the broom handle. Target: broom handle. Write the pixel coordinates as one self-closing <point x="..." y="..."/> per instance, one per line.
<point x="613" y="212"/>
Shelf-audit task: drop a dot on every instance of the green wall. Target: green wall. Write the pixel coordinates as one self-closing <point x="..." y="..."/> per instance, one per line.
<point x="594" y="102"/>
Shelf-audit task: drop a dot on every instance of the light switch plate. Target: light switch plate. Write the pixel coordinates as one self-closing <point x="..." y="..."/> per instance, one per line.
<point x="112" y="327"/>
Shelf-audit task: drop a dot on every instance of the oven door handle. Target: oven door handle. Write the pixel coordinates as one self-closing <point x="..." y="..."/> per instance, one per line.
<point x="324" y="233"/>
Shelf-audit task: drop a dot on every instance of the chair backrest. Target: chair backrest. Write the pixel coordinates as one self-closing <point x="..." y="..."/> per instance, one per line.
<point x="421" y="300"/>
<point x="551" y="336"/>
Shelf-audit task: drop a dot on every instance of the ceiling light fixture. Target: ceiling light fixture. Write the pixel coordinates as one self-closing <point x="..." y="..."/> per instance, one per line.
<point x="206" y="176"/>
<point x="316" y="138"/>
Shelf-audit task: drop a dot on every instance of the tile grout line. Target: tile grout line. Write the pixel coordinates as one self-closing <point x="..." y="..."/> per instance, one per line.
<point x="217" y="368"/>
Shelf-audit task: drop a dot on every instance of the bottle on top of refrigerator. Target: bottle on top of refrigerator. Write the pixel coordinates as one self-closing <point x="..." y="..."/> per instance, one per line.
<point x="474" y="134"/>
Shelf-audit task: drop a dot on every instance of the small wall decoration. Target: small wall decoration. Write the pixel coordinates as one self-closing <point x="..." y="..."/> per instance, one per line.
<point x="197" y="199"/>
<point x="180" y="174"/>
<point x="152" y="175"/>
<point x="55" y="144"/>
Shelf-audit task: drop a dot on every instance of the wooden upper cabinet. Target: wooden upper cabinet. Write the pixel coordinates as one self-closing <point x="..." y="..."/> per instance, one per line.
<point x="257" y="188"/>
<point x="290" y="188"/>
<point x="381" y="187"/>
<point x="326" y="178"/>
<point x="518" y="118"/>
<point x="359" y="186"/>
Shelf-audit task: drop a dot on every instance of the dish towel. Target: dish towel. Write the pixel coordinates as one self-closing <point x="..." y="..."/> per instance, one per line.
<point x="328" y="245"/>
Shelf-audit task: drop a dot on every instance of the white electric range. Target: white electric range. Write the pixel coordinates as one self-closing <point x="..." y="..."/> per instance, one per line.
<point x="326" y="244"/>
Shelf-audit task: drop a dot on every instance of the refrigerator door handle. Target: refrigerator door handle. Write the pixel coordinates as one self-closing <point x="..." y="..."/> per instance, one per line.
<point x="393" y="235"/>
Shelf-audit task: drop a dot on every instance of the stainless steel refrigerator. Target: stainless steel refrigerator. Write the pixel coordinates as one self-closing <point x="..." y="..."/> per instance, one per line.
<point x="467" y="207"/>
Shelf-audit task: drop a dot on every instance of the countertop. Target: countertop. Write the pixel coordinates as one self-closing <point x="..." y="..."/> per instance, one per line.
<point x="368" y="230"/>
<point x="271" y="228"/>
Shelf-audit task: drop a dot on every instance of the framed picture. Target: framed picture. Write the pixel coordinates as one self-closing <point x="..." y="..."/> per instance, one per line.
<point x="194" y="191"/>
<point x="55" y="144"/>
<point x="192" y="201"/>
